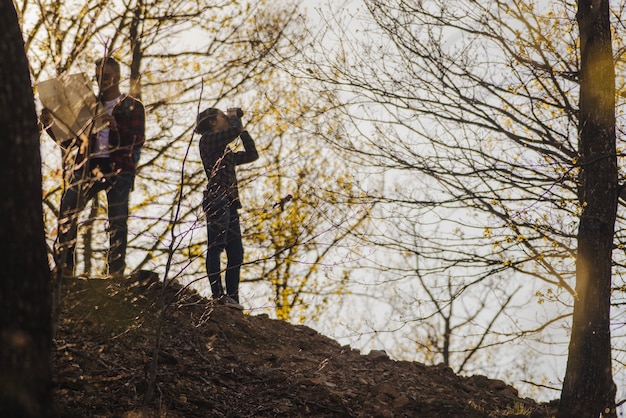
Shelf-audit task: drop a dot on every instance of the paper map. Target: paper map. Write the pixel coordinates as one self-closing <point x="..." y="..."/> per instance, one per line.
<point x="72" y="103"/>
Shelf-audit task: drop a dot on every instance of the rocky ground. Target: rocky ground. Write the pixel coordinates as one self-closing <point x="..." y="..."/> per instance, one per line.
<point x="216" y="361"/>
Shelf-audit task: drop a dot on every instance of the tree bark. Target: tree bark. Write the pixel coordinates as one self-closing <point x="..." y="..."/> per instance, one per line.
<point x="588" y="388"/>
<point x="25" y="329"/>
<point x="137" y="50"/>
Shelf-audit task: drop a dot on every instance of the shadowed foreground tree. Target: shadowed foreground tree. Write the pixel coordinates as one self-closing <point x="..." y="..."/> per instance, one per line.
<point x="25" y="336"/>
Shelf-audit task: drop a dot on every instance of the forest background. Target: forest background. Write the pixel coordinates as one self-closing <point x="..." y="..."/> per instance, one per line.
<point x="416" y="190"/>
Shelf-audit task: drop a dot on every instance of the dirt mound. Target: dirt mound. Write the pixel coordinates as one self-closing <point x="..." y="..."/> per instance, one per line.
<point x="216" y="361"/>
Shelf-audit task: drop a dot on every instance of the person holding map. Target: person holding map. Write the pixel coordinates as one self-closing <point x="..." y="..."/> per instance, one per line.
<point x="107" y="152"/>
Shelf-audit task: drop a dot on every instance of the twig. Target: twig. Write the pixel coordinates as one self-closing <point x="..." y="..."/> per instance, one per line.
<point x="163" y="304"/>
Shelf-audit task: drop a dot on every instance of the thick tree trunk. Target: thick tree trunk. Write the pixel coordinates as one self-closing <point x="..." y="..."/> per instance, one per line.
<point x="25" y="279"/>
<point x="588" y="388"/>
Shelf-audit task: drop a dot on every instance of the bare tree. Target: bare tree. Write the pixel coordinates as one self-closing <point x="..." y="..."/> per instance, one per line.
<point x="25" y="329"/>
<point x="470" y="111"/>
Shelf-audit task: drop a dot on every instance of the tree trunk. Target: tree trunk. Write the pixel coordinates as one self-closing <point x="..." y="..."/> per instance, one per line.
<point x="25" y="329"/>
<point x="88" y="236"/>
<point x="137" y="51"/>
<point x="588" y="388"/>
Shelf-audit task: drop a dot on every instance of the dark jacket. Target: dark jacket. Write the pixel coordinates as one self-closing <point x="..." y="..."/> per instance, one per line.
<point x="124" y="144"/>
<point x="219" y="160"/>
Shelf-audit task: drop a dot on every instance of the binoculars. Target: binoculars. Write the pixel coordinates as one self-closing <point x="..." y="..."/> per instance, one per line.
<point x="235" y="111"/>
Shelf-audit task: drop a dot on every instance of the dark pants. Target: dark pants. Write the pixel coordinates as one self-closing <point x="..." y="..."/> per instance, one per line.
<point x="224" y="233"/>
<point x="78" y="193"/>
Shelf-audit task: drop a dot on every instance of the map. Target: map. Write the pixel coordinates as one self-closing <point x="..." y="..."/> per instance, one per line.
<point x="72" y="104"/>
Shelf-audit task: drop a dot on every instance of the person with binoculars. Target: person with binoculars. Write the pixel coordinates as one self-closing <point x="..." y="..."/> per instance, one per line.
<point x="221" y="197"/>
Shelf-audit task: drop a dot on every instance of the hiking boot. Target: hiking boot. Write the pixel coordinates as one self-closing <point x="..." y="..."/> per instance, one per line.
<point x="229" y="302"/>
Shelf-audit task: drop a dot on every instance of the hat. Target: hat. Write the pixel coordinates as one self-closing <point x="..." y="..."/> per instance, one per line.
<point x="203" y="119"/>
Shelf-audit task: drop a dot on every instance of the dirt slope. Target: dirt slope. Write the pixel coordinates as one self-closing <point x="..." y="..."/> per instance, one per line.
<point x="220" y="362"/>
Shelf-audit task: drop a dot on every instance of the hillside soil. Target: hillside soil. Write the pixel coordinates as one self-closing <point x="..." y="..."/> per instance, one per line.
<point x="217" y="361"/>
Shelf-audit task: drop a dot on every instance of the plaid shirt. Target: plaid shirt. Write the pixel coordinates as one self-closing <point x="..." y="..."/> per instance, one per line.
<point x="125" y="143"/>
<point x="219" y="160"/>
